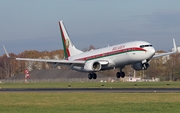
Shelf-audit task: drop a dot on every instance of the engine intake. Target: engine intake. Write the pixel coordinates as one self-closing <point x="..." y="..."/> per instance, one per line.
<point x="140" y="66"/>
<point x="92" y="66"/>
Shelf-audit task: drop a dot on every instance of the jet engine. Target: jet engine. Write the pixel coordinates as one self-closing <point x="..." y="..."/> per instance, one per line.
<point x="92" y="66"/>
<point x="140" y="66"/>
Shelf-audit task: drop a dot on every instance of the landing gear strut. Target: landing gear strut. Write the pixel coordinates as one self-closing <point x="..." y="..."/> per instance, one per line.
<point x="92" y="76"/>
<point x="120" y="74"/>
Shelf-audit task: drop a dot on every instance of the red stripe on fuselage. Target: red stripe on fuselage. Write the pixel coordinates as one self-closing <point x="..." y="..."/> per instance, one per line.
<point x="112" y="53"/>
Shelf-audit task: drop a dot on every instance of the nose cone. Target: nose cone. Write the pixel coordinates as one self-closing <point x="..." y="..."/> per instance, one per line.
<point x="151" y="51"/>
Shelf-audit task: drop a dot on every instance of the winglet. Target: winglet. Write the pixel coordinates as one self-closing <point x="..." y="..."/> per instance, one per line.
<point x="6" y="52"/>
<point x="175" y="47"/>
<point x="164" y="54"/>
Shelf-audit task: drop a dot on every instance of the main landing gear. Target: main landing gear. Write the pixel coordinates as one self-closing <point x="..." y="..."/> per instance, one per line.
<point x="120" y="74"/>
<point x="92" y="76"/>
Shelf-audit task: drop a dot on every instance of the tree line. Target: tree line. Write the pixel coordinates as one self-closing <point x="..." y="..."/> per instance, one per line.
<point x="167" y="67"/>
<point x="11" y="67"/>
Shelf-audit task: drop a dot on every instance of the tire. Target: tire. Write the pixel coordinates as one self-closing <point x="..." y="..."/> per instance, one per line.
<point x="122" y="74"/>
<point x="94" y="76"/>
<point x="90" y="76"/>
<point x="118" y="74"/>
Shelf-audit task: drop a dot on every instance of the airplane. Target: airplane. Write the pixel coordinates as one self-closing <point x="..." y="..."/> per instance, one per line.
<point x="135" y="53"/>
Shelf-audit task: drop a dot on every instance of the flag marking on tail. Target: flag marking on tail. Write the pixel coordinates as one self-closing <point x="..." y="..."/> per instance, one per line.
<point x="65" y="42"/>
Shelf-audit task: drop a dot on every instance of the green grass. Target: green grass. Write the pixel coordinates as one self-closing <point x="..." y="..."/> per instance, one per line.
<point x="89" y="102"/>
<point x="92" y="85"/>
<point x="56" y="102"/>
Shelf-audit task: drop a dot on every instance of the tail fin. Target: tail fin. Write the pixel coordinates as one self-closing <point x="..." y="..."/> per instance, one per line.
<point x="69" y="48"/>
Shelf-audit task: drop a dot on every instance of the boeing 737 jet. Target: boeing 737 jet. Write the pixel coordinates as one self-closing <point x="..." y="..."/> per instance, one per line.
<point x="136" y="53"/>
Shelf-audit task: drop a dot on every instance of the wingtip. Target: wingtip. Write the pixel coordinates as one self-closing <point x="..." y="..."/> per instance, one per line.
<point x="6" y="51"/>
<point x="175" y="47"/>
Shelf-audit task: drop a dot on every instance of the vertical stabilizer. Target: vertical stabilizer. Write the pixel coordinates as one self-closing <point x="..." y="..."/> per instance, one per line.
<point x="69" y="48"/>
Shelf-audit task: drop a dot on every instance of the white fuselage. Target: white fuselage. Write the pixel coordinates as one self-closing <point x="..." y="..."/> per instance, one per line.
<point x="119" y="55"/>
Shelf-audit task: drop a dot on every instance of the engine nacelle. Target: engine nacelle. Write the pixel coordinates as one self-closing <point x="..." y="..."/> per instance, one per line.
<point x="140" y="66"/>
<point x="92" y="66"/>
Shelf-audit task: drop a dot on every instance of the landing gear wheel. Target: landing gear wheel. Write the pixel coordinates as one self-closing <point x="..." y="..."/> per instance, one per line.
<point x="94" y="76"/>
<point x="122" y="74"/>
<point x="90" y="76"/>
<point x="118" y="74"/>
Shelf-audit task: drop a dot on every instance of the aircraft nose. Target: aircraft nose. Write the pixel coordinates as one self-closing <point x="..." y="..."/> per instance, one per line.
<point x="152" y="51"/>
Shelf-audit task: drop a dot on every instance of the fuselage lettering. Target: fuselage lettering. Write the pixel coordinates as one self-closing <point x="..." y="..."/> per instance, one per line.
<point x="118" y="47"/>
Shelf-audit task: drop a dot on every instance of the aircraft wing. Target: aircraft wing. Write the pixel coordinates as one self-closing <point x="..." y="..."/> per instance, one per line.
<point x="46" y="60"/>
<point x="164" y="54"/>
<point x="52" y="61"/>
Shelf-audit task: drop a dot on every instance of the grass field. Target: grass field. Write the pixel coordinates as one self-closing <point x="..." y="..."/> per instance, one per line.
<point x="56" y="102"/>
<point x="92" y="85"/>
<point x="89" y="102"/>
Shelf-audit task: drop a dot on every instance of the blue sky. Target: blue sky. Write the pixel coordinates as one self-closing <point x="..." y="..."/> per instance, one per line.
<point x="33" y="24"/>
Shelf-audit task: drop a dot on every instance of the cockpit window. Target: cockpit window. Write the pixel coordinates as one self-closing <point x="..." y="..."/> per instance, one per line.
<point x="142" y="46"/>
